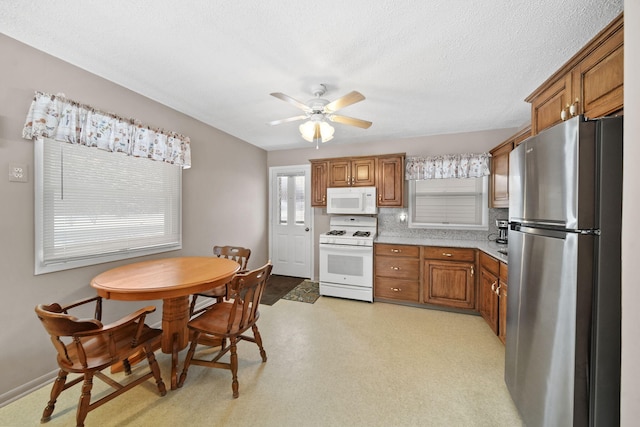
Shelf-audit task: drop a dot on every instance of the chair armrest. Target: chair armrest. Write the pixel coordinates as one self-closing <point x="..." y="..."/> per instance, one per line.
<point x="121" y="323"/>
<point x="98" y="310"/>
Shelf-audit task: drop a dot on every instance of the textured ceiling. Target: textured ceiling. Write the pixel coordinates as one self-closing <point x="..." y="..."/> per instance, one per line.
<point x="425" y="67"/>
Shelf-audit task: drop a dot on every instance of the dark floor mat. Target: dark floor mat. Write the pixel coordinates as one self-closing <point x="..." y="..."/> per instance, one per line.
<point x="277" y="287"/>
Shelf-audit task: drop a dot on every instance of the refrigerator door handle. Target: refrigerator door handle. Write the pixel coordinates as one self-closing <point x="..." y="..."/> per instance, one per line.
<point x="560" y="234"/>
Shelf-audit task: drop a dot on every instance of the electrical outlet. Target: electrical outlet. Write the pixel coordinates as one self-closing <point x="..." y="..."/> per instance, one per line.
<point x="18" y="172"/>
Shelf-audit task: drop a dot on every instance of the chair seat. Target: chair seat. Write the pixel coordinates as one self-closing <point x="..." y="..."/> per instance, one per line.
<point x="220" y="291"/>
<point x="215" y="321"/>
<point x="96" y="348"/>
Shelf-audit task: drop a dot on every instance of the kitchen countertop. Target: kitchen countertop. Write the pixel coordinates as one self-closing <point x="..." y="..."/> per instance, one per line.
<point x="486" y="246"/>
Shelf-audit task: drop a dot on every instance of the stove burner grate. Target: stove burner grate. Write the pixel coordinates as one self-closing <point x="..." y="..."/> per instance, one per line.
<point x="362" y="234"/>
<point x="336" y="232"/>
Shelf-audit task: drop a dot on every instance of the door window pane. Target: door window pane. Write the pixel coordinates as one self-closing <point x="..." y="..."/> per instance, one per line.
<point x="299" y="194"/>
<point x="283" y="199"/>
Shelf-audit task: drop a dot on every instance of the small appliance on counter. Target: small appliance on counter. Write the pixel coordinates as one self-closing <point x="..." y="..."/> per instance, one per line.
<point x="503" y="230"/>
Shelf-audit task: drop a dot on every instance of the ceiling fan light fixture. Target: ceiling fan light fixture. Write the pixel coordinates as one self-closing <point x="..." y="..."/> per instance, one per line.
<point x="316" y="130"/>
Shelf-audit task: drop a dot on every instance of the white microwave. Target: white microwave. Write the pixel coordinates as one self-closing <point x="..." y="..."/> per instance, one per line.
<point x="352" y="200"/>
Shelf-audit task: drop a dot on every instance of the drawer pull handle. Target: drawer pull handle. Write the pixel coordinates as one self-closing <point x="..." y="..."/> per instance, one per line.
<point x="446" y="254"/>
<point x="493" y="286"/>
<point x="396" y="289"/>
<point x="395" y="268"/>
<point x="396" y="251"/>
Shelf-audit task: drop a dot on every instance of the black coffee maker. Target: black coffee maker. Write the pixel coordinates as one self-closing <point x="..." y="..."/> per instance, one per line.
<point x="503" y="227"/>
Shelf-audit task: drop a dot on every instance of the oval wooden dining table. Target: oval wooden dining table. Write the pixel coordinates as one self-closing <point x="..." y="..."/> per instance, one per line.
<point x="172" y="280"/>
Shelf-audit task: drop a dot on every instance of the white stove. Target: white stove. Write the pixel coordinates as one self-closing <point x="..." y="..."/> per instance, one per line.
<point x="350" y="230"/>
<point x="346" y="257"/>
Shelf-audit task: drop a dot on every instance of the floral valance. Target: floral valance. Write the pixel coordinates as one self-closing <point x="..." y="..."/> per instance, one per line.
<point x="55" y="117"/>
<point x="447" y="166"/>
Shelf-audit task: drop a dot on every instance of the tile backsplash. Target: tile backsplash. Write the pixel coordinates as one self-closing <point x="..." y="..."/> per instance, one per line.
<point x="389" y="224"/>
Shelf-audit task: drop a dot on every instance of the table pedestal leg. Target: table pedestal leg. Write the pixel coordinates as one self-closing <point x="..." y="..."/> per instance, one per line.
<point x="175" y="334"/>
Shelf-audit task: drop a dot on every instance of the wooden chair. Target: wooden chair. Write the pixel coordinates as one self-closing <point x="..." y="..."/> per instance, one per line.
<point x="229" y="320"/>
<point x="238" y="254"/>
<point x="86" y="346"/>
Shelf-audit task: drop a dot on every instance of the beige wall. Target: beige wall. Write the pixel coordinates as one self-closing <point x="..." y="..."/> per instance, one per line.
<point x="630" y="407"/>
<point x="224" y="194"/>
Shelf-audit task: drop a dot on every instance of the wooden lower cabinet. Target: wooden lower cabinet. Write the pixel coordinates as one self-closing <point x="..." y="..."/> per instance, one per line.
<point x="488" y="301"/>
<point x="492" y="294"/>
<point x="449" y="283"/>
<point x="397" y="272"/>
<point x="502" y="304"/>
<point x="433" y="275"/>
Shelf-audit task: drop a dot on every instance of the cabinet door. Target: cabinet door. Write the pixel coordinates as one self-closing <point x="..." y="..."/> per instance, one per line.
<point x="598" y="80"/>
<point x="319" y="183"/>
<point x="488" y="299"/>
<point x="390" y="181"/>
<point x="547" y="106"/>
<point x="502" y="303"/>
<point x="363" y="172"/>
<point x="450" y="284"/>
<point x="500" y="176"/>
<point x="340" y="173"/>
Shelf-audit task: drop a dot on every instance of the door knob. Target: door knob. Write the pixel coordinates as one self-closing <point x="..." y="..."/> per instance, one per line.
<point x="306" y="229"/>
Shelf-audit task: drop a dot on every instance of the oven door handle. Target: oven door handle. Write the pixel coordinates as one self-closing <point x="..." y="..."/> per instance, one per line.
<point x="350" y="248"/>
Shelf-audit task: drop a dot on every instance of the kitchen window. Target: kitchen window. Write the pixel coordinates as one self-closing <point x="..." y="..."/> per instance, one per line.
<point x="94" y="206"/>
<point x="452" y="203"/>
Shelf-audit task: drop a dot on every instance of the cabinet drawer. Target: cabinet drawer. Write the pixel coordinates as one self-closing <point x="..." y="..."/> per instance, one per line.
<point x="405" y="290"/>
<point x="489" y="263"/>
<point x="504" y="272"/>
<point x="397" y="267"/>
<point x="452" y="254"/>
<point x="397" y="250"/>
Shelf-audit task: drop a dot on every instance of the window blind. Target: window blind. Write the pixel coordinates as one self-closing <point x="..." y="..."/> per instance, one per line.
<point x="93" y="206"/>
<point x="447" y="202"/>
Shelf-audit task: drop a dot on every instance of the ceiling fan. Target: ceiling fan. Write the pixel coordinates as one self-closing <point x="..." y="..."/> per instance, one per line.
<point x="317" y="110"/>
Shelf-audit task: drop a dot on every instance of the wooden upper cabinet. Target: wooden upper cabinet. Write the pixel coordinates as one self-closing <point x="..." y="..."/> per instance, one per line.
<point x="598" y="80"/>
<point x="499" y="178"/>
<point x="390" y="181"/>
<point x="548" y="106"/>
<point x="500" y="175"/>
<point x="319" y="183"/>
<point x="356" y="172"/>
<point x="590" y="83"/>
<point x="385" y="172"/>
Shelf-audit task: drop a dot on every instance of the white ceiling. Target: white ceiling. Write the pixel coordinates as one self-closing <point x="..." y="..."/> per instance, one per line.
<point x="426" y="67"/>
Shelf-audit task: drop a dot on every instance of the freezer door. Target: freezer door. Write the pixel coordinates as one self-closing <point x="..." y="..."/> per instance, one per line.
<point x="548" y="314"/>
<point x="552" y="177"/>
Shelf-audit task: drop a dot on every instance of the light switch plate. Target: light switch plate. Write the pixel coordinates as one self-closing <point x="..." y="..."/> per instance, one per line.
<point x="18" y="172"/>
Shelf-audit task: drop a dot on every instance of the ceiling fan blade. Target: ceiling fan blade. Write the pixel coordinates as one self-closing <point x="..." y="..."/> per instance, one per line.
<point x="290" y="119"/>
<point x="350" y="121"/>
<point x="290" y="100"/>
<point x="345" y="101"/>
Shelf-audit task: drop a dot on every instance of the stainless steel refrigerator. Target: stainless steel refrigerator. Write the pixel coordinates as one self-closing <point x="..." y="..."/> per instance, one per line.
<point x="563" y="305"/>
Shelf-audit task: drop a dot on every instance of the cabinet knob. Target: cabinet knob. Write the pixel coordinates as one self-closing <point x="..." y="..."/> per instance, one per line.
<point x="573" y="109"/>
<point x="395" y="268"/>
<point x="563" y="114"/>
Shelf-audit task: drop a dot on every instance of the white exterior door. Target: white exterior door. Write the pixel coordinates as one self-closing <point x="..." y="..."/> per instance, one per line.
<point x="291" y="239"/>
